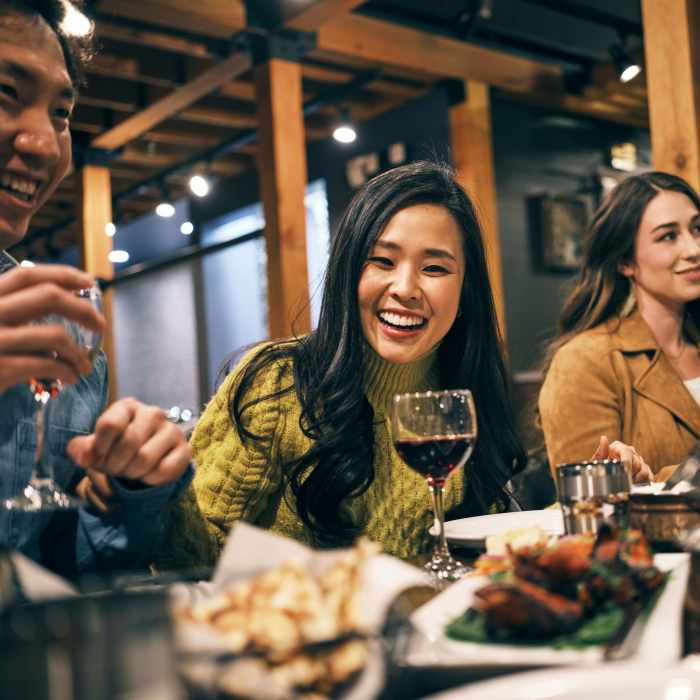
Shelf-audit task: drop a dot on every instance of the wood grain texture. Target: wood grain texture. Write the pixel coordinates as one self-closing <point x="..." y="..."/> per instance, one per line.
<point x="95" y="203"/>
<point x="283" y="177"/>
<point x="672" y="49"/>
<point x="472" y="156"/>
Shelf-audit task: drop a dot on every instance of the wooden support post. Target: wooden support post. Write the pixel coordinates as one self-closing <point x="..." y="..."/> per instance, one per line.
<point x="283" y="177"/>
<point x="96" y="211"/>
<point x="672" y="52"/>
<point x="472" y="155"/>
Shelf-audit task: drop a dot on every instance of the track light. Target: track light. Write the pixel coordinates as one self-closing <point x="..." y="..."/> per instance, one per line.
<point x="344" y="132"/>
<point x="627" y="68"/>
<point x="165" y="208"/>
<point x="199" y="185"/>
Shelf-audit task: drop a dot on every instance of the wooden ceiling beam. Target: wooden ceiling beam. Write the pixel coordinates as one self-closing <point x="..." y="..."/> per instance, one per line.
<point x="321" y="12"/>
<point x="175" y="102"/>
<point x="386" y="44"/>
<point x="217" y="14"/>
<point x="208" y="17"/>
<point x="153" y="39"/>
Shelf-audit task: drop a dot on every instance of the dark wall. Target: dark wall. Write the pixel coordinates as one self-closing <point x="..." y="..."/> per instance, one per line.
<point x="539" y="152"/>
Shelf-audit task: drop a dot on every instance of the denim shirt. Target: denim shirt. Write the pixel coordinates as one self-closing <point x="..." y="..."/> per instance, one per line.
<point x="73" y="543"/>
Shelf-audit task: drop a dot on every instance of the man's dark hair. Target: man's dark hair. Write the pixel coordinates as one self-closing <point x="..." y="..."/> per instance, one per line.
<point x="77" y="51"/>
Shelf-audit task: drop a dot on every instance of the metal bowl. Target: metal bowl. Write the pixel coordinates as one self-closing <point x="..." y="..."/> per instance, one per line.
<point x="664" y="518"/>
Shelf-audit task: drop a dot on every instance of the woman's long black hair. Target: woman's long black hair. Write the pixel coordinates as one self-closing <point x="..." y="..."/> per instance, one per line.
<point x="327" y="363"/>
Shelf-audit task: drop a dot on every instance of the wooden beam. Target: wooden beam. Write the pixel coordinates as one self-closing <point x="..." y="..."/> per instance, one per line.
<point x="321" y="12"/>
<point x="672" y="49"/>
<point x="390" y="45"/>
<point x="218" y="18"/>
<point x="183" y="97"/>
<point x="95" y="204"/>
<point x="283" y="178"/>
<point x="472" y="155"/>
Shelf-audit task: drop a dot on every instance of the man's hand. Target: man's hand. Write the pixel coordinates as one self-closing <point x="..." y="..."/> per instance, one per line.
<point x="47" y="351"/>
<point x="640" y="470"/>
<point x="133" y="441"/>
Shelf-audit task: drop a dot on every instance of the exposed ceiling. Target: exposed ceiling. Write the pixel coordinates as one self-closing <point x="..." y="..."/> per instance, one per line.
<point x="556" y="53"/>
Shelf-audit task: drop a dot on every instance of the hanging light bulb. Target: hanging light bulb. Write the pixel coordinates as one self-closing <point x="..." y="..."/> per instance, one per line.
<point x="186" y="228"/>
<point x="344" y="132"/>
<point x="118" y="256"/>
<point x="199" y="185"/>
<point x="165" y="208"/>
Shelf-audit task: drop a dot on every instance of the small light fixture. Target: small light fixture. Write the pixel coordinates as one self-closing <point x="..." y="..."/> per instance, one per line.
<point x="74" y="22"/>
<point x="199" y="185"/>
<point x="344" y="132"/>
<point x="627" y="68"/>
<point x="165" y="208"/>
<point x="118" y="256"/>
<point x="186" y="228"/>
<point x="110" y="229"/>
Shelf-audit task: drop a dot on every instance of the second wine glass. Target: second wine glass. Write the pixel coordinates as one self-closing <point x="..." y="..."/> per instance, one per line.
<point x="434" y="433"/>
<point x="42" y="492"/>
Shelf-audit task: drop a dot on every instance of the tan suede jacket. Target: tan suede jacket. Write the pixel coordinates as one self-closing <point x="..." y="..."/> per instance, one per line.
<point x="614" y="380"/>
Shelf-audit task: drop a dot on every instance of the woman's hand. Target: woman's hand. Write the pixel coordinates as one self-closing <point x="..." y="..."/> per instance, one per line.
<point x="640" y="470"/>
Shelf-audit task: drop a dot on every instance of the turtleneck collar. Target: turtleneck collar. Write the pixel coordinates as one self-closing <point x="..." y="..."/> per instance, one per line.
<point x="383" y="379"/>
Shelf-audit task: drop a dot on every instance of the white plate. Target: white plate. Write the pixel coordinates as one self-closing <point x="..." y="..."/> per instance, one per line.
<point x="657" y="639"/>
<point x="472" y="532"/>
<point x="629" y="681"/>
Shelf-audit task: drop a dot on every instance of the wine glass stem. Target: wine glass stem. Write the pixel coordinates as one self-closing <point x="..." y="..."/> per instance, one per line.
<point x="43" y="469"/>
<point x="436" y="492"/>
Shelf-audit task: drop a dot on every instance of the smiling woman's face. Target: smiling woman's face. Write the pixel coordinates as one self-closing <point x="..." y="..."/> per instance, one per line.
<point x="666" y="264"/>
<point x="410" y="285"/>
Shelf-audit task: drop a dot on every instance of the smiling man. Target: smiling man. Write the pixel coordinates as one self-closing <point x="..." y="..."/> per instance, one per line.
<point x="134" y="456"/>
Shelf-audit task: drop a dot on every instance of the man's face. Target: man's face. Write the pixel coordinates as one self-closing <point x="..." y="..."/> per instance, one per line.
<point x="36" y="100"/>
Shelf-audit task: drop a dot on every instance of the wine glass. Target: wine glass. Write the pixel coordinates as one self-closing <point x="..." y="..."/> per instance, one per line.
<point x="434" y="433"/>
<point x="42" y="493"/>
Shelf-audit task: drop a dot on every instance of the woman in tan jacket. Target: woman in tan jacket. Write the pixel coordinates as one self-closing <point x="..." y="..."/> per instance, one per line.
<point x="625" y="369"/>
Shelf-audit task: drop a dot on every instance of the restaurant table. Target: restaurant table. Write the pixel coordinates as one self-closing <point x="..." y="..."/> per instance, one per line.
<point x="403" y="682"/>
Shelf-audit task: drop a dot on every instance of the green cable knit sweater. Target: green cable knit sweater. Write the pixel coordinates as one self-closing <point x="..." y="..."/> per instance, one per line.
<point x="243" y="481"/>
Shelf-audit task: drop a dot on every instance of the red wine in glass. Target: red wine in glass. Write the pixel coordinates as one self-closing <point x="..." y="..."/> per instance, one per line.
<point x="436" y="457"/>
<point x="434" y="434"/>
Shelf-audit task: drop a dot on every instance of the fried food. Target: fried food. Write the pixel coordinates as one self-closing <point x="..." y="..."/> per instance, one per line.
<point x="274" y="620"/>
<point x="551" y="591"/>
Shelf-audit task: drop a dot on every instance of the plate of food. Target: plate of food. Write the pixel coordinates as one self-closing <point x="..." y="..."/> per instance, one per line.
<point x="473" y="532"/>
<point x="574" y="600"/>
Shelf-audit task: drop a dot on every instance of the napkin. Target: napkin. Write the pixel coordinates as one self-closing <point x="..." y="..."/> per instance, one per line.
<point x="37" y="583"/>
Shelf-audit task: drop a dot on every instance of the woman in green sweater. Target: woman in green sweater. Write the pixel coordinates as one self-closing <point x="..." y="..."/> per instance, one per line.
<point x="297" y="438"/>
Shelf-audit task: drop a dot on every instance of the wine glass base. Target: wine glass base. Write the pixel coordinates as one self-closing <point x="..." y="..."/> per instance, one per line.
<point x="42" y="495"/>
<point x="444" y="569"/>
